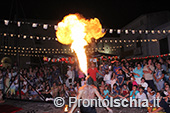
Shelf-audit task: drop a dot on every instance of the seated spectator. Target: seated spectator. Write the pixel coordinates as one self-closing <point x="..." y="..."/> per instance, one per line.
<point x="12" y="88"/>
<point x="115" y="92"/>
<point x="141" y="95"/>
<point x="72" y="91"/>
<point x="54" y="90"/>
<point x="162" y="103"/>
<point x="82" y="81"/>
<point x="101" y="88"/>
<point x="143" y="84"/>
<point x="66" y="91"/>
<point x="124" y="93"/>
<point x="134" y="92"/>
<point x="106" y="93"/>
<point x="77" y="86"/>
<point x="1" y="97"/>
<point x="23" y="92"/>
<point x="167" y="93"/>
<point x="47" y="93"/>
<point x="150" y="95"/>
<point x="34" y="94"/>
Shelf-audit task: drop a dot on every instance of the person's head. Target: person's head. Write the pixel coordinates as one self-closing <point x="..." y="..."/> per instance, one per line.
<point x="89" y="81"/>
<point x="120" y="72"/>
<point x="0" y="91"/>
<point x="161" y="60"/>
<point x="47" y="87"/>
<point x="150" y="61"/>
<point x="141" y="89"/>
<point x="100" y="67"/>
<point x="127" y="63"/>
<point x="167" y="88"/>
<point x="117" y="63"/>
<point x="54" y="84"/>
<point x="115" y="86"/>
<point x="149" y="89"/>
<point x="114" y="74"/>
<point x="72" y="68"/>
<point x="105" y="87"/>
<point x="131" y="74"/>
<point x="158" y="65"/>
<point x="165" y="83"/>
<point x="158" y="94"/>
<point x="102" y="83"/>
<point x="92" y="64"/>
<point x="124" y="86"/>
<point x="78" y="84"/>
<point x="130" y="68"/>
<point x="106" y="71"/>
<point x="134" y="88"/>
<point x="138" y="65"/>
<point x="7" y="75"/>
<point x="24" y="87"/>
<point x="71" y="86"/>
<point x="142" y="80"/>
<point x="82" y="79"/>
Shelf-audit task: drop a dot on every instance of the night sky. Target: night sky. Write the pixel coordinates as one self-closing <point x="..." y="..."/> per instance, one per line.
<point x="112" y="14"/>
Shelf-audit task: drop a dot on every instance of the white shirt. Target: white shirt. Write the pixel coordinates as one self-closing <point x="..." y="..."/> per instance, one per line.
<point x="141" y="96"/>
<point x="24" y="90"/>
<point x="82" y="83"/>
<point x="70" y="74"/>
<point x="107" y="76"/>
<point x="150" y="97"/>
<point x="148" y="76"/>
<point x="145" y="85"/>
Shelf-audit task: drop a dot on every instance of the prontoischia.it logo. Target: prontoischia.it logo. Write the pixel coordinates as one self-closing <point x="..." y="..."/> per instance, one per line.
<point x="59" y="102"/>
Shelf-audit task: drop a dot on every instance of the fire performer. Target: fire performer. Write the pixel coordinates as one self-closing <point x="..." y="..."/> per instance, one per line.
<point x="88" y="91"/>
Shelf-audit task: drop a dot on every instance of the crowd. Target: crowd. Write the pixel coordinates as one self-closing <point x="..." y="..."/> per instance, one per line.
<point x="144" y="79"/>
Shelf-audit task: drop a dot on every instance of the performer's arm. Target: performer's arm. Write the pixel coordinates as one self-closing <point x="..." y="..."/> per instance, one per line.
<point x="75" y="104"/>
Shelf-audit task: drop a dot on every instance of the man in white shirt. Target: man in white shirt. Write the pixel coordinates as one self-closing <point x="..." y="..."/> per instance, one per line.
<point x="107" y="76"/>
<point x="148" y="73"/>
<point x="71" y="75"/>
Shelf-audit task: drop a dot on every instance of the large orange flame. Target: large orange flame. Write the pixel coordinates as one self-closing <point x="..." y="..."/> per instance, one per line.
<point x="78" y="31"/>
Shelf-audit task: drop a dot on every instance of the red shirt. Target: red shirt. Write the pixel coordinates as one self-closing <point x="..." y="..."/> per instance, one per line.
<point x="92" y="73"/>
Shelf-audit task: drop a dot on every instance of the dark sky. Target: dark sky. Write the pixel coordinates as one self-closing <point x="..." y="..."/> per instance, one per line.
<point x="112" y="14"/>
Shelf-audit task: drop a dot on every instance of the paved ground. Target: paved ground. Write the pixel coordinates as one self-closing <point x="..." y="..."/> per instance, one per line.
<point x="41" y="107"/>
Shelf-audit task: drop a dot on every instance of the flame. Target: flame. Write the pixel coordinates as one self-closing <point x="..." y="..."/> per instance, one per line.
<point x="66" y="108"/>
<point x="78" y="31"/>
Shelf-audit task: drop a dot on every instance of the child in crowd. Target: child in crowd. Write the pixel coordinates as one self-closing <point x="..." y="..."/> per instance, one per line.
<point x="141" y="95"/>
<point x="124" y="93"/>
<point x="150" y="95"/>
<point x="120" y="78"/>
<point x="106" y="93"/>
<point x="134" y="92"/>
<point x="143" y="84"/>
<point x="1" y="97"/>
<point x="167" y="93"/>
<point x="72" y="91"/>
<point x="102" y="87"/>
<point x="82" y="81"/>
<point x="115" y="92"/>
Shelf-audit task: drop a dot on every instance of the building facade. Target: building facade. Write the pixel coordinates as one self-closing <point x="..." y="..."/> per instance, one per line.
<point x="146" y="27"/>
